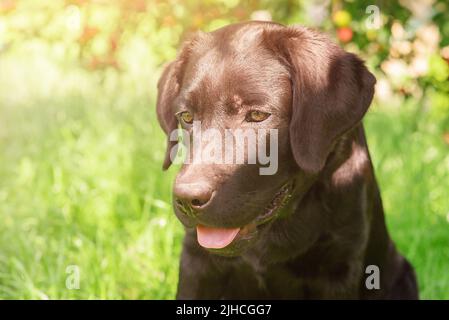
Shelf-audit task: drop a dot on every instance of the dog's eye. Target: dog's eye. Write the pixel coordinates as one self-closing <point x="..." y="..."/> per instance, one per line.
<point x="186" y="117"/>
<point x="256" y="116"/>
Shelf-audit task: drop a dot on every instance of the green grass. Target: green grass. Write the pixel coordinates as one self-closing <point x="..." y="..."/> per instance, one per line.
<point x="81" y="184"/>
<point x="412" y="167"/>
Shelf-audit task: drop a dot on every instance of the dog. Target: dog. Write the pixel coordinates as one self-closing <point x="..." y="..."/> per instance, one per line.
<point x="313" y="230"/>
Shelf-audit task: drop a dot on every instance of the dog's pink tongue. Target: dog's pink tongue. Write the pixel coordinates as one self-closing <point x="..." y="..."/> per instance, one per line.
<point x="215" y="238"/>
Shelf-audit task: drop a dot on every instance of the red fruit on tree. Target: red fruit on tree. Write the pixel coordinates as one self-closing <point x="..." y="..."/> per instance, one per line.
<point x="345" y="34"/>
<point x="7" y="6"/>
<point x="446" y="137"/>
<point x="88" y="34"/>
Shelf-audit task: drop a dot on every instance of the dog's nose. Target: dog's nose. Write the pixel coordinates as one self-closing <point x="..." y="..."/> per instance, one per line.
<point x="192" y="195"/>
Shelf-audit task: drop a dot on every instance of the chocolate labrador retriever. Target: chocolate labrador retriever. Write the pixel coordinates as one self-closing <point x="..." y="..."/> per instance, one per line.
<point x="313" y="230"/>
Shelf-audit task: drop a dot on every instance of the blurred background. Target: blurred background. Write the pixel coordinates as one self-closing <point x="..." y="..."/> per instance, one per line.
<point x="81" y="186"/>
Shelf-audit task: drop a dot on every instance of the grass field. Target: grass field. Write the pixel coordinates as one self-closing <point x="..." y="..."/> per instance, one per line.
<point x="81" y="184"/>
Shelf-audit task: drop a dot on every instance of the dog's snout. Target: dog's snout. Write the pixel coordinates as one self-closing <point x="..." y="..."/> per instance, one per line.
<point x="192" y="196"/>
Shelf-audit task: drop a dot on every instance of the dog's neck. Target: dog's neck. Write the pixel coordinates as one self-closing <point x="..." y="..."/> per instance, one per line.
<point x="314" y="203"/>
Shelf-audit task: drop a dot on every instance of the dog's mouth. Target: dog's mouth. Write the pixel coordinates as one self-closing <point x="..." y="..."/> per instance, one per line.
<point x="220" y="239"/>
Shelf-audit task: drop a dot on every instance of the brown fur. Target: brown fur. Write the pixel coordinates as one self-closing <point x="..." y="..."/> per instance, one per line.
<point x="334" y="225"/>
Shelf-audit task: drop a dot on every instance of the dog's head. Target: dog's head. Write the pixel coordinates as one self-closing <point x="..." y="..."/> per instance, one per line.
<point x="255" y="76"/>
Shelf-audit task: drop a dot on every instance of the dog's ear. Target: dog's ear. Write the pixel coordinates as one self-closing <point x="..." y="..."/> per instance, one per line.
<point x="168" y="87"/>
<point x="331" y="89"/>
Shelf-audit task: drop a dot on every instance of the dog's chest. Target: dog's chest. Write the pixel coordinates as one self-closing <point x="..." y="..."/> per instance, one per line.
<point x="274" y="282"/>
